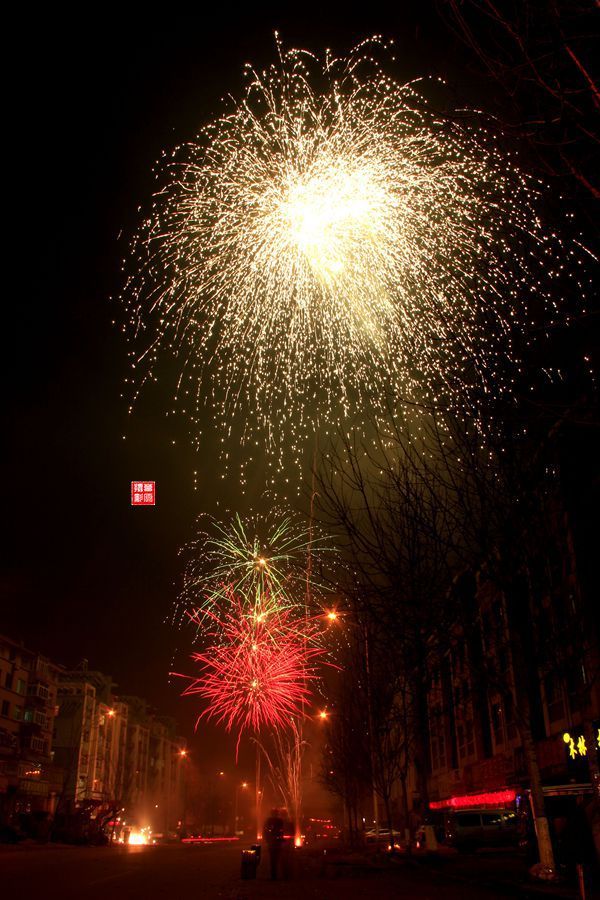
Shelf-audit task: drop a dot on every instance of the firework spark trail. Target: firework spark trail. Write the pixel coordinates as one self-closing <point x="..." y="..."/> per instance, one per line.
<point x="262" y="558"/>
<point x="261" y="669"/>
<point x="331" y="240"/>
<point x="285" y="766"/>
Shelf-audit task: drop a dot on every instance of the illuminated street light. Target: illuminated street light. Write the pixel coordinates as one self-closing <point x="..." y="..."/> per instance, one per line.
<point x="243" y="785"/>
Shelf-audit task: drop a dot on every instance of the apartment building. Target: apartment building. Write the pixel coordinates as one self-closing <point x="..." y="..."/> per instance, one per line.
<point x="156" y="768"/>
<point x="70" y="746"/>
<point x="90" y="739"/>
<point x="487" y="686"/>
<point x="116" y="753"/>
<point x="29" y="779"/>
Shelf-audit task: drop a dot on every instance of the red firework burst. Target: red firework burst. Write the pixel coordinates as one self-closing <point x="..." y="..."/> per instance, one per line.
<point x="260" y="671"/>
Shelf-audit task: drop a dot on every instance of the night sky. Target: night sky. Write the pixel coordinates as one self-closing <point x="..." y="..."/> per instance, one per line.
<point x="92" y="102"/>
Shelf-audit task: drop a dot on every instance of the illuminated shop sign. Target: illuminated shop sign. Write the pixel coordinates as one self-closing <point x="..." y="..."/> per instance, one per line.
<point x="576" y="745"/>
<point x="489" y="798"/>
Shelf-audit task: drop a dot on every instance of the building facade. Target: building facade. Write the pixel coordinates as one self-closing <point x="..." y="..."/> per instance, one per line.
<point x="118" y="757"/>
<point x="74" y="752"/>
<point x="30" y="780"/>
<point x="519" y="671"/>
<point x="156" y="768"/>
<point x="90" y="739"/>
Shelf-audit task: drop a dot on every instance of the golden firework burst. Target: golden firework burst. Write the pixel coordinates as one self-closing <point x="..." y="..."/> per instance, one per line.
<point x="330" y="241"/>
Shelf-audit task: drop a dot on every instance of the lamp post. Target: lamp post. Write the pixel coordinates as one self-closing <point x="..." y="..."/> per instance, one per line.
<point x="333" y="617"/>
<point x="243" y="785"/>
<point x="182" y="756"/>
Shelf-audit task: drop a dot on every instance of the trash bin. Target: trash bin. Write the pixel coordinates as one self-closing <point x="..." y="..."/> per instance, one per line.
<point x="249" y="864"/>
<point x="256" y="848"/>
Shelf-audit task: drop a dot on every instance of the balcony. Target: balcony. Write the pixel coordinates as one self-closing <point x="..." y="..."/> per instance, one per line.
<point x="34" y="744"/>
<point x="33" y="718"/>
<point x="39" y="690"/>
<point x="41" y="669"/>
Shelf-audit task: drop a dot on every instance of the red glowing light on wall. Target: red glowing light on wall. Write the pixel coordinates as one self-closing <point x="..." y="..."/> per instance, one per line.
<point x="489" y="798"/>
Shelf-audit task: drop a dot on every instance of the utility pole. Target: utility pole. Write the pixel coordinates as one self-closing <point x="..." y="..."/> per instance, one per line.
<point x="371" y="737"/>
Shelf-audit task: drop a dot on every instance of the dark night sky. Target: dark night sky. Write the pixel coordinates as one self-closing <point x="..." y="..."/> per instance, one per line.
<point x="93" y="102"/>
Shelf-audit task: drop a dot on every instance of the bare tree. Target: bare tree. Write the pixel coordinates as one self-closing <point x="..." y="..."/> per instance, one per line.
<point x="543" y="55"/>
<point x="346" y="764"/>
<point x="437" y="496"/>
<point x="392" y="527"/>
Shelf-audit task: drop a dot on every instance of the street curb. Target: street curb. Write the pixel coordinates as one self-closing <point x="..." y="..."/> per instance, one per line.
<point x="514" y="888"/>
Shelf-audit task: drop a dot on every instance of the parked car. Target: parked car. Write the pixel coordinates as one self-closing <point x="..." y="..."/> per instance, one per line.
<point x="383" y="836"/>
<point x="470" y="829"/>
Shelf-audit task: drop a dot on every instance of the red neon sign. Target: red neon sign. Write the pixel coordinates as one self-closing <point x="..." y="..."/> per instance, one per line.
<point x="489" y="798"/>
<point x="209" y="840"/>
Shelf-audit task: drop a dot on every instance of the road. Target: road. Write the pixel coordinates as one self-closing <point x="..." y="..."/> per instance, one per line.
<point x="205" y="872"/>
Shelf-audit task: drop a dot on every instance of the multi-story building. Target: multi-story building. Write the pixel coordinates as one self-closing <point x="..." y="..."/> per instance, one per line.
<point x="116" y="753"/>
<point x="155" y="769"/>
<point x="137" y="757"/>
<point x="29" y="779"/>
<point x="90" y="739"/>
<point x="515" y="671"/>
<point x="69" y="745"/>
<point x="166" y="774"/>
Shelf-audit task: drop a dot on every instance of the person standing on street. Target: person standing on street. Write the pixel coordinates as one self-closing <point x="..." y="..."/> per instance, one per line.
<point x="274" y="837"/>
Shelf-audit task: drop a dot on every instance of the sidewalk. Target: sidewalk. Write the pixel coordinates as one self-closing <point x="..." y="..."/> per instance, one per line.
<point x="317" y="874"/>
<point x="29" y="845"/>
<point x="505" y="872"/>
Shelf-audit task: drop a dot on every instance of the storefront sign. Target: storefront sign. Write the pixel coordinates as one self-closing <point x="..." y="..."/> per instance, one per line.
<point x="576" y="745"/>
<point x="489" y="798"/>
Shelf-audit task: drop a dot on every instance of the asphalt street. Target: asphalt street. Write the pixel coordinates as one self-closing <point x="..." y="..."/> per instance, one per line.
<point x="187" y="872"/>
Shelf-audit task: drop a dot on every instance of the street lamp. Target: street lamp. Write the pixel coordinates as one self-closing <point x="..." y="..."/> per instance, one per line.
<point x="243" y="785"/>
<point x="333" y="616"/>
<point x="182" y="780"/>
